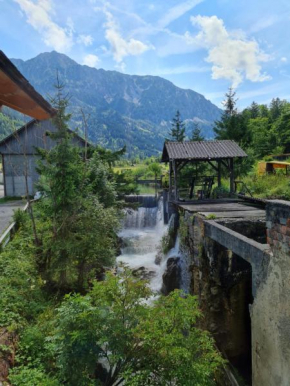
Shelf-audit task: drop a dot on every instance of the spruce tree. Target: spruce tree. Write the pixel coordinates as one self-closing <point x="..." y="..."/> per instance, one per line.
<point x="230" y="102"/>
<point x="177" y="133"/>
<point x="196" y="133"/>
<point x="76" y="208"/>
<point x="254" y="110"/>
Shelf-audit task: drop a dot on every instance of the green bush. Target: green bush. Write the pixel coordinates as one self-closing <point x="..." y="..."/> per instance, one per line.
<point x="24" y="376"/>
<point x="20" y="284"/>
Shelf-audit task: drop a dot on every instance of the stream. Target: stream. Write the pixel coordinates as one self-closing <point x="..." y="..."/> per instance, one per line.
<point x="142" y="234"/>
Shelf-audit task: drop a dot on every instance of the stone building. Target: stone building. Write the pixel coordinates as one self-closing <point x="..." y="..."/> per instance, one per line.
<point x="19" y="159"/>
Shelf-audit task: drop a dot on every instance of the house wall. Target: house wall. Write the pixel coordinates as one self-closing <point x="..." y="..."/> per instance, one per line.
<point x="15" y="169"/>
<point x="19" y="156"/>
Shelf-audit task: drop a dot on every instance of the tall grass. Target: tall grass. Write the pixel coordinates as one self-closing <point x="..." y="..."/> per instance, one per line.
<point x="269" y="186"/>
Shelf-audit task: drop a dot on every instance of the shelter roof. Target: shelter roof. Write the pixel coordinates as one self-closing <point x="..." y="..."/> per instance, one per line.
<point x="17" y="93"/>
<point x="201" y="150"/>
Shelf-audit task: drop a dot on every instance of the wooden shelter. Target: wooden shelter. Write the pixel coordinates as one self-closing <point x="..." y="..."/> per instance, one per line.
<point x="17" y="93"/>
<point x="214" y="153"/>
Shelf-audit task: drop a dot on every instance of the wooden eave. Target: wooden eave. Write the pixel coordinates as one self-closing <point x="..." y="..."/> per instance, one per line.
<point x="17" y="93"/>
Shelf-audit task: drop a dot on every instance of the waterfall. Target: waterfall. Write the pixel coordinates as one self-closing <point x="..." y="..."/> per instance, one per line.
<point x="142" y="233"/>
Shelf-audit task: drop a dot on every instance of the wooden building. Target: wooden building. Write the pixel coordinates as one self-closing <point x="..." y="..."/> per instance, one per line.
<point x="19" y="157"/>
<point x="214" y="153"/>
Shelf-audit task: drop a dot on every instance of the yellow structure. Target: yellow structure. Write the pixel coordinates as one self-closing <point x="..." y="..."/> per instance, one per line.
<point x="271" y="167"/>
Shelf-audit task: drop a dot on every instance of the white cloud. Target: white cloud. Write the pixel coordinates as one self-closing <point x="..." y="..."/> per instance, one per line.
<point x="263" y="23"/>
<point x="91" y="60"/>
<point x="87" y="40"/>
<point x="39" y="16"/>
<point x="284" y="60"/>
<point x="232" y="58"/>
<point x="177" y="11"/>
<point x="176" y="70"/>
<point x="121" y="47"/>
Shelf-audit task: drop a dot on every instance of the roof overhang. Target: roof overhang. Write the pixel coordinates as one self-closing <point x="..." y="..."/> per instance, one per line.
<point x="17" y="93"/>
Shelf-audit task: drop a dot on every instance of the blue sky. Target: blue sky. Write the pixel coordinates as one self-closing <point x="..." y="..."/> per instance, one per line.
<point x="204" y="45"/>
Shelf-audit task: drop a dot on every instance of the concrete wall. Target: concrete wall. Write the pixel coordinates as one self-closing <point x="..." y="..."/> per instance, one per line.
<point x="221" y="281"/>
<point x="270" y="312"/>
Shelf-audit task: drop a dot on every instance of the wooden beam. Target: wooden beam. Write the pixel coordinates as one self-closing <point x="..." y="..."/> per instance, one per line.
<point x="181" y="165"/>
<point x="170" y="183"/>
<point x="226" y="164"/>
<point x="175" y="180"/>
<point x="219" y="174"/>
<point x="212" y="165"/>
<point x="232" y="178"/>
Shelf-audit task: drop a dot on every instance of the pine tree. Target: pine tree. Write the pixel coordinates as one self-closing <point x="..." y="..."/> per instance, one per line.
<point x="276" y="108"/>
<point x="177" y="133"/>
<point x="230" y="102"/>
<point x="254" y="110"/>
<point x="196" y="133"/>
<point x="232" y="125"/>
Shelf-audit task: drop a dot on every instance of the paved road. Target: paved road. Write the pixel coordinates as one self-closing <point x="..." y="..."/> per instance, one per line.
<point x="6" y="213"/>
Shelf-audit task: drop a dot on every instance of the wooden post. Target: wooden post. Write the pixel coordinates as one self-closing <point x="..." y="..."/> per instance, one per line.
<point x="175" y="181"/>
<point x="219" y="174"/>
<point x="232" y="178"/>
<point x="170" y="182"/>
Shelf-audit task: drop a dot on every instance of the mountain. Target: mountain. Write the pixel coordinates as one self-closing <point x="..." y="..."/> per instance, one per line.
<point x="122" y="109"/>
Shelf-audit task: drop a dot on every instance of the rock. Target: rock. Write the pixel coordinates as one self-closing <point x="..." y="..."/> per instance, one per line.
<point x="143" y="273"/>
<point x="159" y="257"/>
<point x="172" y="276"/>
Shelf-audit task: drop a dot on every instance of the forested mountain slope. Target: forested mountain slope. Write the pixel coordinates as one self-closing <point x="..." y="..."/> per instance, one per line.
<point x="121" y="109"/>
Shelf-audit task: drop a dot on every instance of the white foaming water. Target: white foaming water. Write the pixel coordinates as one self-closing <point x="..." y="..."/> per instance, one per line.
<point x="142" y="234"/>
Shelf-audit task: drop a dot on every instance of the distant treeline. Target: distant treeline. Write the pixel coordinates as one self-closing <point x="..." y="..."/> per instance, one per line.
<point x="261" y="130"/>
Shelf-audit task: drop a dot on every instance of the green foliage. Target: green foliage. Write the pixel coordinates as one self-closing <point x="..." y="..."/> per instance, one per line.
<point x="177" y="132"/>
<point x="125" y="183"/>
<point x="168" y="240"/>
<point x="260" y="130"/>
<point x="140" y="344"/>
<point x="20" y="284"/>
<point x="101" y="180"/>
<point x="23" y="376"/>
<point x="155" y="168"/>
<point x="183" y="230"/>
<point x="8" y="124"/>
